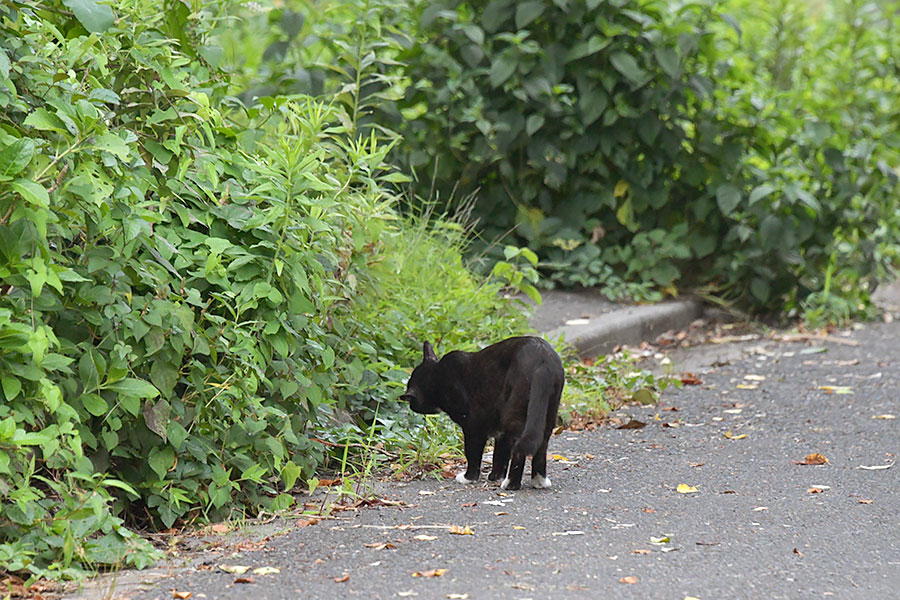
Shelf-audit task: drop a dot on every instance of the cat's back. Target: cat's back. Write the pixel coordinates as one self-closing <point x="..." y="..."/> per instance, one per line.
<point x="519" y="351"/>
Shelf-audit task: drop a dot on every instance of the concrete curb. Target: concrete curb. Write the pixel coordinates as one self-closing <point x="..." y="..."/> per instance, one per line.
<point x="630" y="325"/>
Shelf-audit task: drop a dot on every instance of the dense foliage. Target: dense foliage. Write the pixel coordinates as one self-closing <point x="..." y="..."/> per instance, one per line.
<point x="651" y="141"/>
<point x="191" y="289"/>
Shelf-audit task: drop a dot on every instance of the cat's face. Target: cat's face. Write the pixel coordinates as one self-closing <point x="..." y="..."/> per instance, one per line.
<point x="418" y="385"/>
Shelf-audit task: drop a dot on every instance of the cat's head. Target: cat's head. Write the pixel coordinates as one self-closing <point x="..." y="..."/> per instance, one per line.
<point x="419" y="385"/>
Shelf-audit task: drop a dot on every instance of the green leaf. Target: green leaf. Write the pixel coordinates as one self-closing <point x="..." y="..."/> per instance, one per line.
<point x="759" y="287"/>
<point x="533" y="123"/>
<point x="33" y="193"/>
<point x="134" y="387"/>
<point x="11" y="385"/>
<point x="15" y="157"/>
<point x="164" y="375"/>
<point x="501" y="70"/>
<point x="595" y="44"/>
<point x="627" y="65"/>
<point x="526" y="12"/>
<point x="113" y="144"/>
<point x="760" y="192"/>
<point x="727" y="197"/>
<point x="161" y="459"/>
<point x="94" y="404"/>
<point x="176" y="434"/>
<point x="44" y="120"/>
<point x="95" y="17"/>
<point x="4" y="64"/>
<point x="474" y="33"/>
<point x="668" y="61"/>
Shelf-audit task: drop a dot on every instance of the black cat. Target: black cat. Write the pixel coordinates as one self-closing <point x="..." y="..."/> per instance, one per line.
<point x="510" y="391"/>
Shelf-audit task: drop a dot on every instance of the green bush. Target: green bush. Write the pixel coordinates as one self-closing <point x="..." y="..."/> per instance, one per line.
<point x="642" y="145"/>
<point x="190" y="287"/>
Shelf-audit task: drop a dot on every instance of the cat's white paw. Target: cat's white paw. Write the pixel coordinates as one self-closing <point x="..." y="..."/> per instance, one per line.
<point x="540" y="482"/>
<point x="504" y="483"/>
<point x="461" y="478"/>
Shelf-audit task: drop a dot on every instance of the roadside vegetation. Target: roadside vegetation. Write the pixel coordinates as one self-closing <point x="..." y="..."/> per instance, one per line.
<point x="227" y="227"/>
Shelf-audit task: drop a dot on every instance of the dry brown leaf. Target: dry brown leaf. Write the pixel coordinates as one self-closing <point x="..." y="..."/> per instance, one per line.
<point x="641" y="551"/>
<point x="690" y="379"/>
<point x="343" y="578"/>
<point x="457" y="530"/>
<point x="329" y="482"/>
<point x="696" y="464"/>
<point x="797" y="552"/>
<point x="813" y="459"/>
<point x="863" y="501"/>
<point x="469" y="504"/>
<point x="814" y="490"/>
<point x="500" y="513"/>
<point x="244" y="580"/>
<point x="307" y="522"/>
<point x="632" y="424"/>
<point x="431" y="573"/>
<point x="382" y="546"/>
<point x="647" y="509"/>
<point x="181" y="595"/>
<point x="631" y="579"/>
<point x="219" y="528"/>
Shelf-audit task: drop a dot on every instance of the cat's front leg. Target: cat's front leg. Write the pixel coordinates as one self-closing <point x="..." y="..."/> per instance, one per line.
<point x="474" y="442"/>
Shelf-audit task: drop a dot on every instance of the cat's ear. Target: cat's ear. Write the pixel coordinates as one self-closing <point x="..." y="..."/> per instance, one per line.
<point x="428" y="353"/>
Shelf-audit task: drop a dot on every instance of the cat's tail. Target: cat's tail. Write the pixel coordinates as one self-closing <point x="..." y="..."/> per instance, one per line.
<point x="542" y="392"/>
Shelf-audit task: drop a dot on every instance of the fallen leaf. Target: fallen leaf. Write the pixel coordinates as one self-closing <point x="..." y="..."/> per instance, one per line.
<point x="863" y="501"/>
<point x="382" y="546"/>
<point x="696" y="464"/>
<point x="631" y="579"/>
<point x="814" y="459"/>
<point x="431" y="573"/>
<point x="343" y="578"/>
<point x="219" y="528"/>
<point x="814" y="350"/>
<point x="469" y="504"/>
<point x="877" y="467"/>
<point x="733" y="411"/>
<point x="747" y="386"/>
<point x="684" y="488"/>
<point x="500" y="513"/>
<point x="815" y="490"/>
<point x="244" y="580"/>
<point x="517" y="527"/>
<point x="731" y="436"/>
<point x="458" y="596"/>
<point x="641" y="551"/>
<point x="181" y="595"/>
<point x="457" y="530"/>
<point x="755" y="377"/>
<point x="425" y="538"/>
<point x="329" y="482"/>
<point x="660" y="540"/>
<point x="690" y="379"/>
<point x="632" y="424"/>
<point x="559" y="458"/>
<point x="647" y="509"/>
<point x="306" y="522"/>
<point x="760" y="508"/>
<point x="266" y="571"/>
<point x="797" y="552"/>
<point x="408" y="594"/>
<point x="836" y="389"/>
<point x="887" y="417"/>
<point x="234" y="569"/>
<point x="426" y="493"/>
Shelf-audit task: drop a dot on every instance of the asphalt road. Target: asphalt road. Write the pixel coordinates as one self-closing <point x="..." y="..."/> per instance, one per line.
<point x="754" y="528"/>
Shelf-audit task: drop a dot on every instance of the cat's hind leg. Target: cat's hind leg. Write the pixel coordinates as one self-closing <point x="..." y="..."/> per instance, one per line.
<point x="513" y="480"/>
<point x="539" y="477"/>
<point x="502" y="448"/>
